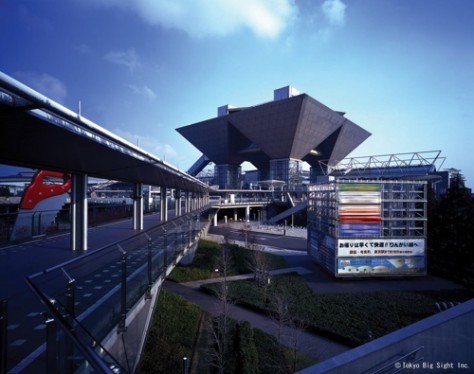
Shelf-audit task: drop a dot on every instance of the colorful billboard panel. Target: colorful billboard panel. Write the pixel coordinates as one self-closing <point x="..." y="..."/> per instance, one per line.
<point x="359" y="211"/>
<point x="352" y="230"/>
<point x="359" y="197"/>
<point x="380" y="247"/>
<point x="357" y="187"/>
<point x="378" y="266"/>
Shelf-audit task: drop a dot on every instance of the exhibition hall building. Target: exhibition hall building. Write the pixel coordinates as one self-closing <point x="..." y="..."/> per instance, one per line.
<point x="365" y="216"/>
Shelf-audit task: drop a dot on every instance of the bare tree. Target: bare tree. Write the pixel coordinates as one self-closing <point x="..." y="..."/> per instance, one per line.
<point x="297" y="327"/>
<point x="220" y="325"/>
<point x="279" y="312"/>
<point x="290" y="327"/>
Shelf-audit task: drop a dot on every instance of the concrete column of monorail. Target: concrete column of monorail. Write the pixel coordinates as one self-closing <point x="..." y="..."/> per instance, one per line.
<point x="163" y="204"/>
<point x="178" y="202"/>
<point x="138" y="206"/>
<point x="188" y="202"/>
<point x="79" y="220"/>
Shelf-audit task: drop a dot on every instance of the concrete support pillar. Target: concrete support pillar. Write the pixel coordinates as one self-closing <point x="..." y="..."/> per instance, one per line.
<point x="164" y="204"/>
<point x="214" y="223"/>
<point x="79" y="212"/>
<point x="186" y="203"/>
<point x="247" y="213"/>
<point x="177" y="196"/>
<point x="190" y="201"/>
<point x="235" y="215"/>
<point x="138" y="206"/>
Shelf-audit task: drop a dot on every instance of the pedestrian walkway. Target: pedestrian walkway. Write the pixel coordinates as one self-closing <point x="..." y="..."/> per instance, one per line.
<point x="26" y="324"/>
<point x="199" y="283"/>
<point x="312" y="345"/>
<point x="291" y="231"/>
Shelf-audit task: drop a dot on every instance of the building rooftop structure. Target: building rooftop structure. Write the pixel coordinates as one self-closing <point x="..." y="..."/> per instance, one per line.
<point x="276" y="137"/>
<point x="416" y="166"/>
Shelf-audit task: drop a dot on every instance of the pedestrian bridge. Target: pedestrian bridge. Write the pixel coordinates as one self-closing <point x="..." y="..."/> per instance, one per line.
<point x="100" y="304"/>
<point x="97" y="305"/>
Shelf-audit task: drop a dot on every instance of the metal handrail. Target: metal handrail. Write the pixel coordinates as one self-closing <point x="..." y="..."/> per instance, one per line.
<point x="70" y="322"/>
<point x="92" y="358"/>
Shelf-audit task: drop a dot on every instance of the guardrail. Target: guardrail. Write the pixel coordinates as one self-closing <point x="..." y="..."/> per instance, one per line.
<point x="89" y="297"/>
<point x="47" y="222"/>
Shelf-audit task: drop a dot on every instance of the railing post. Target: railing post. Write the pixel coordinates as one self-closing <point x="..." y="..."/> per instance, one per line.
<point x="185" y="365"/>
<point x="51" y="346"/>
<point x="3" y="335"/>
<point x="70" y="294"/>
<point x="66" y="361"/>
<point x="123" y="292"/>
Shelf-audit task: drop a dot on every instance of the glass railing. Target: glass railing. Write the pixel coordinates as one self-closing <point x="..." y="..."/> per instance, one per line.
<point x="91" y="296"/>
<point x="25" y="225"/>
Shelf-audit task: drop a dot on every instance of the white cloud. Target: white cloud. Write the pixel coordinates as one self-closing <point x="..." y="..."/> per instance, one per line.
<point x="143" y="91"/>
<point x="162" y="151"/>
<point x="44" y="83"/>
<point x="334" y="11"/>
<point x="265" y="18"/>
<point x="129" y="58"/>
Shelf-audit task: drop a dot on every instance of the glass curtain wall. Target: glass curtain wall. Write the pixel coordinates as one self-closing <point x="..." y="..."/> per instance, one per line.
<point x="228" y="176"/>
<point x="288" y="171"/>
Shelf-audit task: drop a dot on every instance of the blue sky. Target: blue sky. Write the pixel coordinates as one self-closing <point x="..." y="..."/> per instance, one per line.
<point x="403" y="70"/>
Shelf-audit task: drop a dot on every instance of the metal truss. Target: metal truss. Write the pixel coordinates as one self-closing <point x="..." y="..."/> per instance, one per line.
<point x="384" y="164"/>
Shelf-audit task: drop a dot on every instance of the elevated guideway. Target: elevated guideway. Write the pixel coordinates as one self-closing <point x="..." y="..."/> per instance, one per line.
<point x="39" y="133"/>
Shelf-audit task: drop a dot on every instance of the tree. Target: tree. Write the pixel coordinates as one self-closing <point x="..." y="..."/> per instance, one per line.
<point x="221" y="325"/>
<point x="451" y="233"/>
<point x="290" y="324"/>
<point x="260" y="265"/>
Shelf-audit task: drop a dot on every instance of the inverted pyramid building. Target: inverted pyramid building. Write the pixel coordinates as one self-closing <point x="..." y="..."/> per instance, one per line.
<point x="275" y="137"/>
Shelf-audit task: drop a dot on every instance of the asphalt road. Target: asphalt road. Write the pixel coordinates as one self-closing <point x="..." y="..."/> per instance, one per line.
<point x="260" y="238"/>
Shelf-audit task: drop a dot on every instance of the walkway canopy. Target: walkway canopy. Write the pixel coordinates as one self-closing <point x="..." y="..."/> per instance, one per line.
<point x="42" y="134"/>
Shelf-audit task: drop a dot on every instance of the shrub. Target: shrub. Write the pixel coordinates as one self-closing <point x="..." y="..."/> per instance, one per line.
<point x="247" y="354"/>
<point x="172" y="335"/>
<point x="350" y="318"/>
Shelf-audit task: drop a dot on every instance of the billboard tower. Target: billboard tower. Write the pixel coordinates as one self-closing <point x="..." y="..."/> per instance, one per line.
<point x="368" y="228"/>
